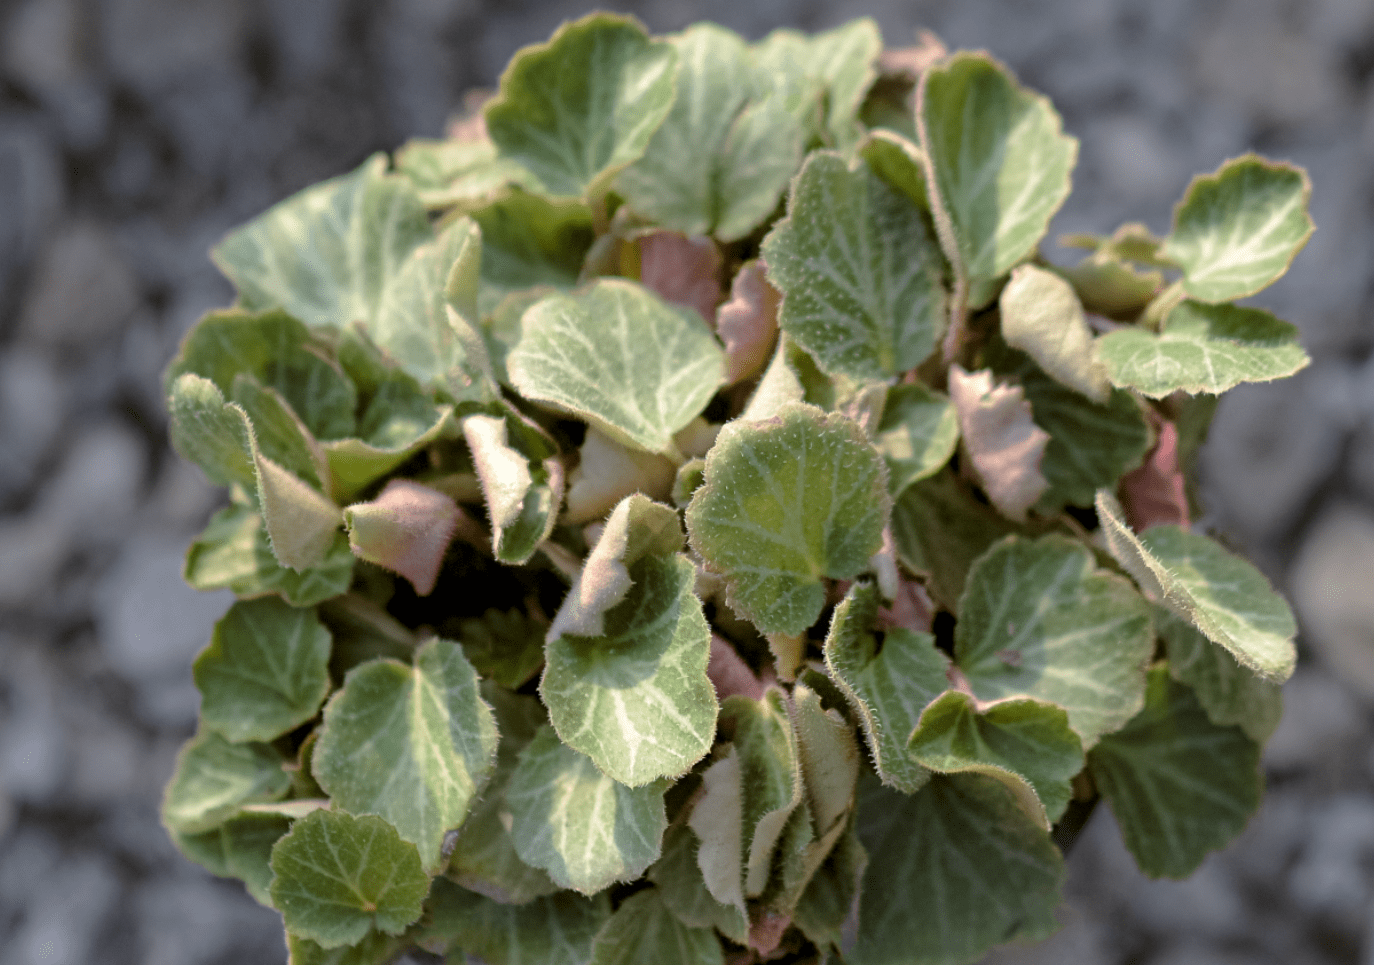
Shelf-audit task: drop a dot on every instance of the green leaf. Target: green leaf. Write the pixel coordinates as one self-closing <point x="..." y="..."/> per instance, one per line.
<point x="265" y="671"/>
<point x="555" y="930"/>
<point x="234" y="553"/>
<point x="917" y="435"/>
<point x="484" y="859"/>
<point x="339" y="876"/>
<point x="846" y="57"/>
<point x="887" y="688"/>
<point x="412" y="744"/>
<point x="529" y="241"/>
<point x="985" y="873"/>
<point x="505" y="647"/>
<point x="576" y="110"/>
<point x="899" y="162"/>
<point x="635" y="367"/>
<point x="829" y="901"/>
<point x="679" y="879"/>
<point x="1024" y="743"/>
<point x="859" y="271"/>
<point x="1237" y="230"/>
<point x="354" y="464"/>
<point x="829" y="758"/>
<point x="1037" y="619"/>
<point x="279" y="432"/>
<point x="785" y="503"/>
<point x="248" y="841"/>
<point x="1221" y="594"/>
<point x="940" y="529"/>
<point x="999" y="163"/>
<point x="585" y="829"/>
<point x="374" y="949"/>
<point x="717" y="820"/>
<point x="722" y="158"/>
<point x="448" y="173"/>
<point x="521" y="480"/>
<point x="327" y="254"/>
<point x="214" y="778"/>
<point x="1179" y="785"/>
<point x="1228" y="691"/>
<point x="1042" y="317"/>
<point x="636" y="699"/>
<point x="1202" y="348"/>
<point x="643" y="929"/>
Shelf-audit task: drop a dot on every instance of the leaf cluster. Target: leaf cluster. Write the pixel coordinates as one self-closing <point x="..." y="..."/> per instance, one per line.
<point x="682" y="516"/>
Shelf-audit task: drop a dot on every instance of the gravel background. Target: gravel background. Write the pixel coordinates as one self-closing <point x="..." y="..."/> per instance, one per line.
<point x="134" y="133"/>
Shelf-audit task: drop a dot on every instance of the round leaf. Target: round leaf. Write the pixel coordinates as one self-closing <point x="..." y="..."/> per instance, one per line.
<point x="644" y="930"/>
<point x="553" y="930"/>
<point x="214" y="778"/>
<point x="917" y="435"/>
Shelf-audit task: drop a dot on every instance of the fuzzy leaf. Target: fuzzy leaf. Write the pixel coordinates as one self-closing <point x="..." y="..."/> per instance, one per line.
<point x="748" y="322"/>
<point x="1042" y="317"/>
<point x="576" y="110"/>
<point x="780" y="384"/>
<point x="859" y="271"/>
<point x="234" y="553"/>
<point x="918" y="434"/>
<point x="787" y="502"/>
<point x="374" y="949"/>
<point x="1037" y="619"/>
<point x="527" y="241"/>
<point x="770" y="780"/>
<point x="717" y="820"/>
<point x="822" y="79"/>
<point x="830" y="899"/>
<point x="620" y="358"/>
<point x="248" y="841"/>
<point x="984" y="871"/>
<point x="999" y="165"/>
<point x="214" y="778"/>
<point x="1025" y="744"/>
<point x="637" y="700"/>
<point x="452" y="172"/>
<point x="607" y="472"/>
<point x="213" y="435"/>
<point x="1202" y="348"/>
<point x="555" y="930"/>
<point x="521" y="482"/>
<point x="697" y="175"/>
<point x="405" y="529"/>
<point x="643" y="929"/>
<point x="327" y="254"/>
<point x="1237" y="230"/>
<point x="680" y="881"/>
<point x="1229" y="692"/>
<point x="412" y="744"/>
<point x="898" y="162"/>
<point x="1157" y="491"/>
<point x="265" y="671"/>
<point x="829" y="758"/>
<point x="682" y="270"/>
<point x="1222" y="595"/>
<point x="338" y="876"/>
<point x="585" y="829"/>
<point x="887" y="688"/>
<point x="280" y="434"/>
<point x="505" y="647"/>
<point x="354" y="464"/>
<point x="1002" y="439"/>
<point x="1179" y="785"/>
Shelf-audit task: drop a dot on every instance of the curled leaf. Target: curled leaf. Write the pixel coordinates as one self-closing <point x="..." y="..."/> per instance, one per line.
<point x="406" y="529"/>
<point x="1155" y="493"/>
<point x="682" y="269"/>
<point x="609" y="472"/>
<point x="1005" y="445"/>
<point x="748" y="322"/>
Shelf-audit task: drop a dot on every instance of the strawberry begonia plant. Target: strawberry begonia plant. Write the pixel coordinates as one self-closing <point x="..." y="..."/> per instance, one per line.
<point x="682" y="518"/>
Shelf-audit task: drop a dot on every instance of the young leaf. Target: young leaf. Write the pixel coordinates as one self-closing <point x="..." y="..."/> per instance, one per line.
<point x="505" y="647"/>
<point x="1237" y="230"/>
<point x="339" y="876"/>
<point x="326" y="255"/>
<point x="554" y="930"/>
<point x="1003" y="441"/>
<point x="829" y="903"/>
<point x="829" y="758"/>
<point x="576" y="110"/>
<point x="1202" y="348"/>
<point x="1025" y="744"/>
<point x="1037" y="619"/>
<point x="585" y="829"/>
<point x="617" y="356"/>
<point x="280" y="434"/>
<point x="1221" y="594"/>
<point x="636" y="699"/>
<point x="643" y="929"/>
<point x="405" y="529"/>
<point x="248" y="841"/>
<point x="717" y="819"/>
<point x="234" y="553"/>
<point x="1229" y="692"/>
<point x="682" y="270"/>
<point x="412" y="744"/>
<point x="859" y="271"/>
<point x="748" y="322"/>
<point x="787" y="502"/>
<point x="1179" y="785"/>
<point x="917" y="435"/>
<point x="354" y="464"/>
<point x="214" y="778"/>
<point x="527" y="241"/>
<point x="982" y="873"/>
<point x="607" y="472"/>
<point x="686" y="180"/>
<point x="265" y="671"/>
<point x="1157" y="491"/>
<point x="680" y="881"/>
<point x="1042" y="317"/>
<point x="521" y="482"/>
<point x="999" y="164"/>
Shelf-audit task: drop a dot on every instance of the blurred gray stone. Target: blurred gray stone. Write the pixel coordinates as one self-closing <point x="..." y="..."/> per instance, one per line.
<point x="1331" y="879"/>
<point x="1331" y="589"/>
<point x="1320" y="726"/>
<point x="32" y="409"/>
<point x="96" y="488"/>
<point x="306" y="35"/>
<point x="1079" y="941"/>
<point x="188" y="920"/>
<point x="154" y="43"/>
<point x="33" y="745"/>
<point x="65" y="911"/>
<point x="81" y="290"/>
<point x="43" y="50"/>
<point x="32" y="187"/>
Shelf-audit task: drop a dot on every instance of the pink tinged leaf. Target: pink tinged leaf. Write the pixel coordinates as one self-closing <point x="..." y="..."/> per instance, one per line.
<point x="406" y="529"/>
<point x="766" y="931"/>
<point x="682" y="270"/>
<point x="911" y="609"/>
<point x="748" y="322"/>
<point x="914" y="60"/>
<point x="1001" y="439"/>
<point x="1155" y="493"/>
<point x="729" y="673"/>
<point x="471" y="125"/>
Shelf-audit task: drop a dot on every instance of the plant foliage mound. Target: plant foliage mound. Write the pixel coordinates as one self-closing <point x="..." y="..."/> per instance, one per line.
<point x="681" y="517"/>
